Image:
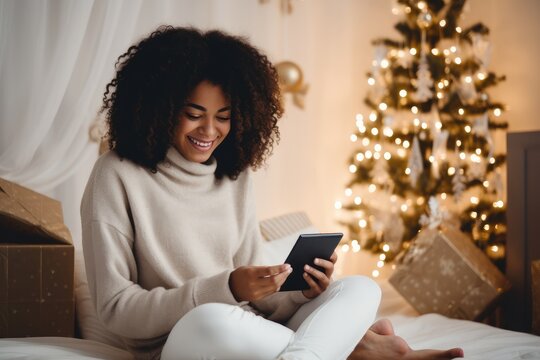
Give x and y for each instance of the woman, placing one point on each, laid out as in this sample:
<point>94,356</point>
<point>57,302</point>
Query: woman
<point>170,236</point>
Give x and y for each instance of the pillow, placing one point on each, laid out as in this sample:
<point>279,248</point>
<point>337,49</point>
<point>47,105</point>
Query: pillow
<point>281,233</point>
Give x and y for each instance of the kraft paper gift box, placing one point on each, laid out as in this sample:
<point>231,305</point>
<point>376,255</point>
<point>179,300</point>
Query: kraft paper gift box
<point>36,265</point>
<point>445,273</point>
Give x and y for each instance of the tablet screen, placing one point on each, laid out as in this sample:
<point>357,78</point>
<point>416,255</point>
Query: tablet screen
<point>305,250</point>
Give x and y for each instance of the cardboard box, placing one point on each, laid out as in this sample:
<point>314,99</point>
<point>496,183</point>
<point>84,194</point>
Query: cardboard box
<point>446,273</point>
<point>36,265</point>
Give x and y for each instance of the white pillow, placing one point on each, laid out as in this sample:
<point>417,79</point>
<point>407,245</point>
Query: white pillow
<point>275,251</point>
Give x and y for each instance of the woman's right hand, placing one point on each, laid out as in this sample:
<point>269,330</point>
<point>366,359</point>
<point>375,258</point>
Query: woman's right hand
<point>249,283</point>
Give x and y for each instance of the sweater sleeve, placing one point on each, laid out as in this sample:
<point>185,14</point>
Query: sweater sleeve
<point>279,306</point>
<point>122,305</point>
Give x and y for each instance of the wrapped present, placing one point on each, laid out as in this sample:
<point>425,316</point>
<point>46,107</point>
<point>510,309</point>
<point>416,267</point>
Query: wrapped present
<point>36,265</point>
<point>445,273</point>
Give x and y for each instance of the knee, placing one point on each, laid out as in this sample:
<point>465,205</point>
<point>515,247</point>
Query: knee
<point>362,287</point>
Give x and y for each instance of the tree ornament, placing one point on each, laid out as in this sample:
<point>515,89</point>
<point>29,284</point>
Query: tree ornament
<point>291,80</point>
<point>416,164</point>
<point>458,184</point>
<point>467,90</point>
<point>481,49</point>
<point>424,82</point>
<point>438,152</point>
<point>435,216</point>
<point>481,128</point>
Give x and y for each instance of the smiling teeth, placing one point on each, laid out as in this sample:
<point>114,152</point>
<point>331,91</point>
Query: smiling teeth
<point>200,143</point>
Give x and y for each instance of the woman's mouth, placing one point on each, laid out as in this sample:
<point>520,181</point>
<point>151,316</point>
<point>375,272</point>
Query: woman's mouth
<point>199,144</point>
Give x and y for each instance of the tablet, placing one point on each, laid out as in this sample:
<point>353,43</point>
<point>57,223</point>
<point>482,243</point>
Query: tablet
<point>305,250</point>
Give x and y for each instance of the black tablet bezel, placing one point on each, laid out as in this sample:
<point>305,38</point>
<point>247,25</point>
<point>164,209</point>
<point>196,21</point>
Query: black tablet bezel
<point>305,250</point>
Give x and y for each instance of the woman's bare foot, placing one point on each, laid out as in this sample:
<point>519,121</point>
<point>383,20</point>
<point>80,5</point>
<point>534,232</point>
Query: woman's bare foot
<point>381,343</point>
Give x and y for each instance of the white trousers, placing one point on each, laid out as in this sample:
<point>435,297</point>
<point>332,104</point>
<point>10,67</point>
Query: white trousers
<point>326,328</point>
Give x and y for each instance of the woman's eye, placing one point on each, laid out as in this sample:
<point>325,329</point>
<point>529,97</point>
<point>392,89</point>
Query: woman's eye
<point>193,116</point>
<point>223,118</point>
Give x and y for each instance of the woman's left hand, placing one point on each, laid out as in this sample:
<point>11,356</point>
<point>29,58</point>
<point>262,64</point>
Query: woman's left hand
<point>318,281</point>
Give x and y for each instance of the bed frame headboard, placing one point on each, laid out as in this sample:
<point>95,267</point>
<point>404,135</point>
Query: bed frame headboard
<point>523,220</point>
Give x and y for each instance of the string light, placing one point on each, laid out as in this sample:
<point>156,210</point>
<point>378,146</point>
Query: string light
<point>458,29</point>
<point>497,112</point>
<point>384,63</point>
<point>443,196</point>
<point>380,264</point>
<point>377,147</point>
<point>369,154</point>
<point>406,144</point>
<point>420,201</point>
<point>357,200</point>
<point>416,121</point>
<point>374,131</point>
<point>355,246</point>
<point>402,93</point>
<point>388,132</point>
<point>442,23</point>
<point>457,60</point>
<point>468,79</point>
<point>401,153</point>
<point>362,223</point>
<point>424,125</point>
<point>486,183</point>
<point>451,170</point>
<point>408,171</point>
<point>371,81</point>
<point>435,51</point>
<point>397,141</point>
<point>475,200</point>
<point>467,129</point>
<point>481,76</point>
<point>360,157</point>
<point>486,227</point>
<point>431,158</point>
<point>348,192</point>
<point>483,217</point>
<point>461,111</point>
<point>440,95</point>
<point>387,155</point>
<point>412,51</point>
<point>375,273</point>
<point>352,168</point>
<point>386,248</point>
<point>404,207</point>
<point>383,106</point>
<point>492,160</point>
<point>498,204</point>
<point>372,188</point>
<point>345,248</point>
<point>478,151</point>
<point>365,141</point>
<point>458,142</point>
<point>373,116</point>
<point>377,156</point>
<point>453,49</point>
<point>382,257</point>
<point>414,110</point>
<point>354,137</point>
<point>462,155</point>
<point>338,205</point>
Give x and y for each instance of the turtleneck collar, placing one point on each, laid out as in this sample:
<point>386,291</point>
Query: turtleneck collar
<point>181,170</point>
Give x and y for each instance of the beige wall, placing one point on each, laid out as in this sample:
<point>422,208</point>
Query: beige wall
<point>331,40</point>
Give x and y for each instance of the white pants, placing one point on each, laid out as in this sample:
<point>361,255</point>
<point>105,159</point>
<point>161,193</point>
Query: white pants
<point>326,328</point>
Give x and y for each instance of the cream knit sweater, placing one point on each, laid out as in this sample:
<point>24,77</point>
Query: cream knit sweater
<point>158,245</point>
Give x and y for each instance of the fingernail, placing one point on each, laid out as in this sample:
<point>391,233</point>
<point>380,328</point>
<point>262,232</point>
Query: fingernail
<point>289,270</point>
<point>306,267</point>
<point>317,261</point>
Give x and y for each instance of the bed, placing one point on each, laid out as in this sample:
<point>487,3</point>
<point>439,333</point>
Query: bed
<point>479,341</point>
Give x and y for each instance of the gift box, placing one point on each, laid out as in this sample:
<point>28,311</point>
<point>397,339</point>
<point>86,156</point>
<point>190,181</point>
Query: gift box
<point>36,265</point>
<point>445,273</point>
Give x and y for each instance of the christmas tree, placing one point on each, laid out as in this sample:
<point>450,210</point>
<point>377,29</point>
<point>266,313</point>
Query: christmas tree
<point>427,136</point>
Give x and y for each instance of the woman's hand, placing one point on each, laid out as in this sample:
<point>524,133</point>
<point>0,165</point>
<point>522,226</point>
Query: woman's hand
<point>249,283</point>
<point>318,281</point>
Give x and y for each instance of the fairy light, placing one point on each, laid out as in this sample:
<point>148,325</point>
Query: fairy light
<point>498,204</point>
<point>369,154</point>
<point>402,93</point>
<point>365,141</point>
<point>446,52</point>
<point>345,248</point>
<point>483,217</point>
<point>412,51</point>
<point>380,264</point>
<point>338,205</point>
<point>468,79</point>
<point>384,63</point>
<point>371,81</point>
<point>359,121</point>
<point>416,121</point>
<point>431,158</point>
<point>446,82</point>
<point>377,147</point>
<point>444,196</point>
<point>424,125</point>
<point>374,131</point>
<point>440,85</point>
<point>435,51</point>
<point>420,201</point>
<point>492,160</point>
<point>458,29</point>
<point>395,10</point>
<point>457,60</point>
<point>478,151</point>
<point>438,125</point>
<point>387,156</point>
<point>440,95</point>
<point>375,273</point>
<point>348,192</point>
<point>377,156</point>
<point>475,200</point>
<point>362,223</point>
<point>458,143</point>
<point>362,129</point>
<point>388,132</point>
<point>357,200</point>
<point>494,248</point>
<point>497,112</point>
<point>386,248</point>
<point>486,183</point>
<point>451,170</point>
<point>408,171</point>
<point>372,188</point>
<point>467,129</point>
<point>442,23</point>
<point>355,246</point>
<point>354,138</point>
<point>461,111</point>
<point>352,168</point>
<point>421,5</point>
<point>383,106</point>
<point>401,153</point>
<point>373,116</point>
<point>481,76</point>
<point>406,144</point>
<point>397,141</point>
<point>486,227</point>
<point>475,158</point>
<point>462,155</point>
<point>404,207</point>
<point>382,257</point>
<point>360,157</point>
<point>474,214</point>
<point>414,110</point>
<point>453,49</point>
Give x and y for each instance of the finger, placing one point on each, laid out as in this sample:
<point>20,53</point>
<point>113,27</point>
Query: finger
<point>276,280</point>
<point>334,257</point>
<point>326,264</point>
<point>312,283</point>
<point>321,278</point>
<point>267,271</point>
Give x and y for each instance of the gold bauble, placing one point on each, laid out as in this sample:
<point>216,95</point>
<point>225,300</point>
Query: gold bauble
<point>290,76</point>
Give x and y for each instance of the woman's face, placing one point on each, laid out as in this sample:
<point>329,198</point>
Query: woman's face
<point>204,123</point>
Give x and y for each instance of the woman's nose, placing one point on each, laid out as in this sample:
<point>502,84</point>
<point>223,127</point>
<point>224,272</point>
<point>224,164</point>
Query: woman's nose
<point>209,126</point>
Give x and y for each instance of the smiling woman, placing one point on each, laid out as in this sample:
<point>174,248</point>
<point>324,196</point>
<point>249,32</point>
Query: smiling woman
<point>204,123</point>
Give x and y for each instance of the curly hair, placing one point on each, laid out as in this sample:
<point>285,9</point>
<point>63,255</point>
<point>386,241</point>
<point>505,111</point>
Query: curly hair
<point>155,77</point>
